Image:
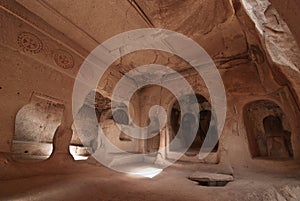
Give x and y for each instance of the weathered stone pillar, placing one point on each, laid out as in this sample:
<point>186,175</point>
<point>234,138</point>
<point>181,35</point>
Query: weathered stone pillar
<point>63,135</point>
<point>162,143</point>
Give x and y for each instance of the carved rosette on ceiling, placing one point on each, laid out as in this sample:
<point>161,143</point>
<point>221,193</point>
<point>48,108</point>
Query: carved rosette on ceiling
<point>30,42</point>
<point>63,59</point>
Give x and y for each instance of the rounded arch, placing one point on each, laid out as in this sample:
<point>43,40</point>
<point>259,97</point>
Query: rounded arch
<point>268,130</point>
<point>35,125</point>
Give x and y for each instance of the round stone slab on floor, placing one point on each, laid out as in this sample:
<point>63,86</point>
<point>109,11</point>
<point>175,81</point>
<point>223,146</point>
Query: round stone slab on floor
<point>211,179</point>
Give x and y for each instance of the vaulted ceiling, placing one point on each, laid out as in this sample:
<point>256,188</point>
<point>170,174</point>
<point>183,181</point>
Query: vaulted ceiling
<point>65,32</point>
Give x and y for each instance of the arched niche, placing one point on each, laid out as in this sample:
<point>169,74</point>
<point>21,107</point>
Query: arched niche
<point>268,130</point>
<point>188,122</point>
<point>35,125</point>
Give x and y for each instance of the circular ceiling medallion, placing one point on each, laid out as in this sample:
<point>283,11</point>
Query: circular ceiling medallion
<point>30,42</point>
<point>63,59</point>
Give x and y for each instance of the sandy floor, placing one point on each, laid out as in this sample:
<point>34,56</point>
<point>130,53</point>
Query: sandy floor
<point>94,182</point>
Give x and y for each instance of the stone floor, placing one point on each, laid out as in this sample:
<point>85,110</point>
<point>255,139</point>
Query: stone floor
<point>95,182</point>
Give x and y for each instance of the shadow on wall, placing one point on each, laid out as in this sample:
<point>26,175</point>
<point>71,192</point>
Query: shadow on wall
<point>268,130</point>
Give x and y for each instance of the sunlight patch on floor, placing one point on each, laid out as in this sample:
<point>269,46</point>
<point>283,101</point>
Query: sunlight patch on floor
<point>148,172</point>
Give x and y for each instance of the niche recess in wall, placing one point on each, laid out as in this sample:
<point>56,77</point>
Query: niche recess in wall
<point>188,123</point>
<point>35,126</point>
<point>268,130</point>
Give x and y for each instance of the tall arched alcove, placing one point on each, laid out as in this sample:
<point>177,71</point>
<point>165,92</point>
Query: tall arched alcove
<point>268,130</point>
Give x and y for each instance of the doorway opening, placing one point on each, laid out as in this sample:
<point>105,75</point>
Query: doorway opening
<point>184,125</point>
